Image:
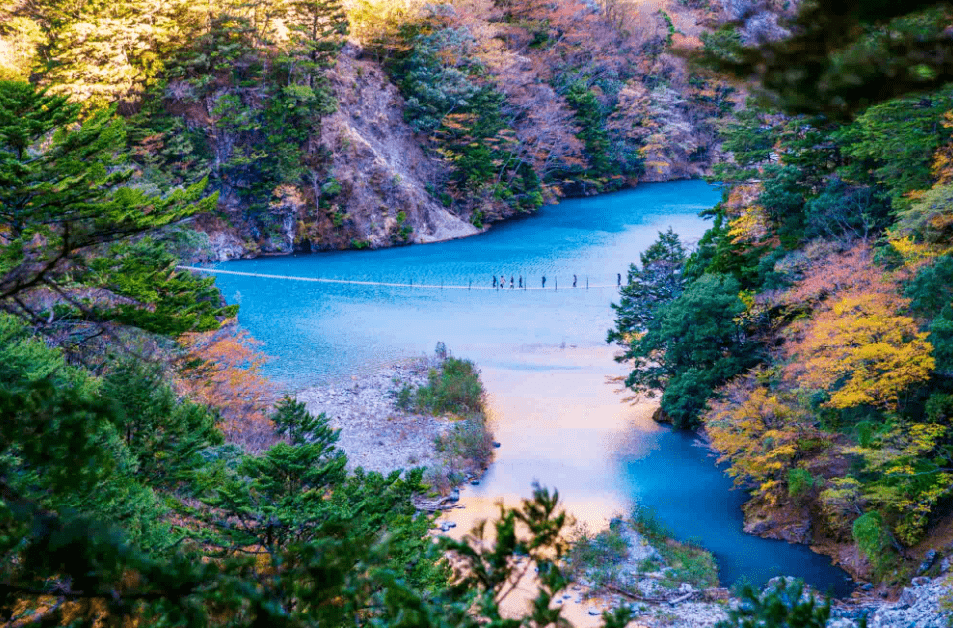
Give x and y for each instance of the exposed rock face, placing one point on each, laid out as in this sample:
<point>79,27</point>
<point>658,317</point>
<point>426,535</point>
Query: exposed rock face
<point>794,524</point>
<point>924,604</point>
<point>789,524</point>
<point>224,242</point>
<point>372,193</point>
<point>379,163</point>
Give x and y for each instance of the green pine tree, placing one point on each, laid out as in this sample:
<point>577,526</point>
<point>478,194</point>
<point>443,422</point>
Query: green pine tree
<point>658,281</point>
<point>65,192</point>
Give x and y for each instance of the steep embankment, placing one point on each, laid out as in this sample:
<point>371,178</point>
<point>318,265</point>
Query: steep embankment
<point>374,188</point>
<point>377,123</point>
<point>379,163</point>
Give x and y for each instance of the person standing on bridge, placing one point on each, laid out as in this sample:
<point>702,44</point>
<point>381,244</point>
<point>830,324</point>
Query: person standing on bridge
<point>573,281</point>
<point>494,281</point>
<point>618,279</point>
<point>521,281</point>
<point>502,282</point>
<point>544,281</point>
<point>511,282</point>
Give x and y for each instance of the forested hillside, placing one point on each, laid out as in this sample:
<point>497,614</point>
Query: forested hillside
<point>378,123</point>
<point>809,333</point>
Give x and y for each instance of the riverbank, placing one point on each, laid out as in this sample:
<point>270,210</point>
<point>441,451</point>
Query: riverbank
<point>669,584</point>
<point>636,563</point>
<point>220,240</point>
<point>382,429</point>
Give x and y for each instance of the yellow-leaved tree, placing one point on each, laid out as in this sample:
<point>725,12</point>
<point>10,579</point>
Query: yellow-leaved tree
<point>862,351</point>
<point>758,431</point>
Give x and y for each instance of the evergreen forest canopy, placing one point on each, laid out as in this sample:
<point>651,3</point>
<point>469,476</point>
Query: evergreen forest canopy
<point>147,476</point>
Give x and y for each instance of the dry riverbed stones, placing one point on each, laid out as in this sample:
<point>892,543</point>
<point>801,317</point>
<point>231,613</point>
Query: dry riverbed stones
<point>375,433</point>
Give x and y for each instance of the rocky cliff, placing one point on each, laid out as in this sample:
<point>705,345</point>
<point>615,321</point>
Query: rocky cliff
<point>375,190</point>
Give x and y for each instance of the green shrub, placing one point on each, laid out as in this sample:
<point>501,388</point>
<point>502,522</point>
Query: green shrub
<point>405,398</point>
<point>596,557</point>
<point>455,387</point>
<point>646,522</point>
<point>686,561</point>
<point>331,187</point>
<point>871,536</point>
<point>800,481</point>
<point>689,562</point>
<point>467,441</point>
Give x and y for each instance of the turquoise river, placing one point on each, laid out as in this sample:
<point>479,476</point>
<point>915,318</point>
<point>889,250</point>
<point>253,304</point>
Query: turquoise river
<point>542,354</point>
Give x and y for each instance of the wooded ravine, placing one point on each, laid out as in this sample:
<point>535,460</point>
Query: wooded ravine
<point>151,475</point>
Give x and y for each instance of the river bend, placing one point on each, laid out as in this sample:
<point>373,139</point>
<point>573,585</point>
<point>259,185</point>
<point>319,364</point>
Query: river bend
<point>542,354</point>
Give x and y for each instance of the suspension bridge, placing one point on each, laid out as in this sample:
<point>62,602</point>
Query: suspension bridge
<point>582,284</point>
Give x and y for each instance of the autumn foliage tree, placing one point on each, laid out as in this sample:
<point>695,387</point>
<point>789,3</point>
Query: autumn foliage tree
<point>760,431</point>
<point>222,369</point>
<point>862,351</point>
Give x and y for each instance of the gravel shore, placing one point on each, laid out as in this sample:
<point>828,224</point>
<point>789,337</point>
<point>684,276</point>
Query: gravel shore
<point>926,603</point>
<point>378,435</point>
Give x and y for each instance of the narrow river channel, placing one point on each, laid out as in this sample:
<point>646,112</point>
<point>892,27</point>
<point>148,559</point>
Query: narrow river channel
<point>542,355</point>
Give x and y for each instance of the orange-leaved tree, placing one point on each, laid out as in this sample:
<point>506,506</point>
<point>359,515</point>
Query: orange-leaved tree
<point>223,370</point>
<point>826,271</point>
<point>757,430</point>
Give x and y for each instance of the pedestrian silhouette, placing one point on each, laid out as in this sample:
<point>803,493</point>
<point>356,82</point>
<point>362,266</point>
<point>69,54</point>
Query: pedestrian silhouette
<point>494,281</point>
<point>544,281</point>
<point>521,281</point>
<point>511,282</point>
<point>618,280</point>
<point>573,281</point>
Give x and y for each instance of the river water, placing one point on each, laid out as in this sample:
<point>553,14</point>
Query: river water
<point>543,359</point>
